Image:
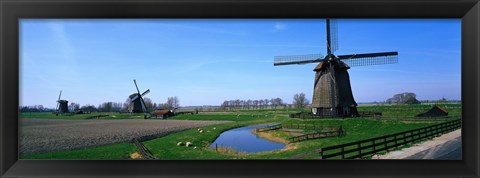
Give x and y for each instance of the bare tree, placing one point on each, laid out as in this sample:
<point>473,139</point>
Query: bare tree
<point>105,107</point>
<point>265,102</point>
<point>172,102</point>
<point>299,100</point>
<point>73,106</point>
<point>249,103</point>
<point>225,105</point>
<point>276,102</point>
<point>88,108</point>
<point>148,103</point>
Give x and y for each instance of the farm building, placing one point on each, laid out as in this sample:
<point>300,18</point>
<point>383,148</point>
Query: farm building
<point>436,111</point>
<point>163,113</point>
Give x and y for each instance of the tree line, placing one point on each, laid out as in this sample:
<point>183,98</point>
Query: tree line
<point>171,103</point>
<point>252,104</point>
<point>299,101</point>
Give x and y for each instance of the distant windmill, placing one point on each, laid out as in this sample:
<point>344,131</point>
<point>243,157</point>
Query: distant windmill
<point>62,105</point>
<point>137,100</point>
<point>332,95</point>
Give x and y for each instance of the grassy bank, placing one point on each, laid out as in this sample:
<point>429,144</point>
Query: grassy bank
<point>110,152</point>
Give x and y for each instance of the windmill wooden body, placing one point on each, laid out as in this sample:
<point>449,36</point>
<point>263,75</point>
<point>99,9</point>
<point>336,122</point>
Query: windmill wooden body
<point>332,93</point>
<point>137,100</point>
<point>62,105</point>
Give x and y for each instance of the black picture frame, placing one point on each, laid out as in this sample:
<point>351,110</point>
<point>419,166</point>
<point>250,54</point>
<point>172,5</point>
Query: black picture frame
<point>11,11</point>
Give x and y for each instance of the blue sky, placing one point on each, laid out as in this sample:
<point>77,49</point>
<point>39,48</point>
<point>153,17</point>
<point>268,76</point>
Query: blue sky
<point>205,62</point>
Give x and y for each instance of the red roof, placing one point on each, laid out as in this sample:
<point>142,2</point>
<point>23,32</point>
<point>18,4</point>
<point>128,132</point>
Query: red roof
<point>161,111</point>
<point>438,107</point>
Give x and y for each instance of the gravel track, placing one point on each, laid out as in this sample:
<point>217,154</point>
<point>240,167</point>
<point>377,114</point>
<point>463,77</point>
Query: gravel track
<point>407,153</point>
<point>48,135</point>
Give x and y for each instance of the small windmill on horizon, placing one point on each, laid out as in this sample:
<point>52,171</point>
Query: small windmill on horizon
<point>137,100</point>
<point>62,105</point>
<point>332,93</point>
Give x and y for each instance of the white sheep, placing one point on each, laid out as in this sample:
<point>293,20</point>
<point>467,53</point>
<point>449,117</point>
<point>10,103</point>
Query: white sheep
<point>179,143</point>
<point>188,144</point>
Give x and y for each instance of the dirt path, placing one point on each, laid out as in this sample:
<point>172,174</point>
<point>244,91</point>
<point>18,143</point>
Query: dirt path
<point>47,135</point>
<point>433,145</point>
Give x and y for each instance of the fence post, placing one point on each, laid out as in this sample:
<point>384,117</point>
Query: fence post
<point>359,146</point>
<point>395,137</point>
<point>342,150</point>
<point>385,143</point>
<point>321,153</point>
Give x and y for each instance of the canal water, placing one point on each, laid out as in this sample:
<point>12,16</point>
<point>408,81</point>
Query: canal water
<point>243,140</point>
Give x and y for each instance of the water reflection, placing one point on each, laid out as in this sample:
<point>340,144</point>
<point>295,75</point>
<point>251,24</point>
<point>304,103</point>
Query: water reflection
<point>242,140</point>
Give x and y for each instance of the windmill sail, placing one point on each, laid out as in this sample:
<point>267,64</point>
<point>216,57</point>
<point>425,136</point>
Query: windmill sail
<point>297,59</point>
<point>333,35</point>
<point>144,107</point>
<point>134,81</point>
<point>370,59</point>
<point>58,101</point>
<point>146,92</point>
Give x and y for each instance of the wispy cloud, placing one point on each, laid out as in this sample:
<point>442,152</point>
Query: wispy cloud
<point>67,64</point>
<point>279,26</point>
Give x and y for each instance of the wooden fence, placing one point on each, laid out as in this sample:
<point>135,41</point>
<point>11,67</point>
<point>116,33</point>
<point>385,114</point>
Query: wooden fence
<point>143,150</point>
<point>360,149</point>
<point>311,126</point>
<point>370,114</point>
<point>317,135</point>
<point>315,127</point>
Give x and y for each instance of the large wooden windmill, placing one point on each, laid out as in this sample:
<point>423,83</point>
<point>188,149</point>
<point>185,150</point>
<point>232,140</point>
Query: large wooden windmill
<point>332,93</point>
<point>62,105</point>
<point>137,100</point>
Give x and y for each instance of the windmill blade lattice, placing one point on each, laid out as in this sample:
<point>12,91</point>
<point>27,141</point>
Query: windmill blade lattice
<point>333,35</point>
<point>144,107</point>
<point>297,59</point>
<point>58,101</point>
<point>146,92</point>
<point>370,59</point>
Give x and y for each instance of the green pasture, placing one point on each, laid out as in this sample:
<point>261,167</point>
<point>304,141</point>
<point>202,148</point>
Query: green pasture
<point>116,151</point>
<point>166,147</point>
<point>410,110</point>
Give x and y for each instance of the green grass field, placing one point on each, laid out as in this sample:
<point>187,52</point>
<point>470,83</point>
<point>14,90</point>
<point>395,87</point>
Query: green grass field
<point>166,148</point>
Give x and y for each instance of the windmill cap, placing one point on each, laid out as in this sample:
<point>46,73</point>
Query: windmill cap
<point>338,64</point>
